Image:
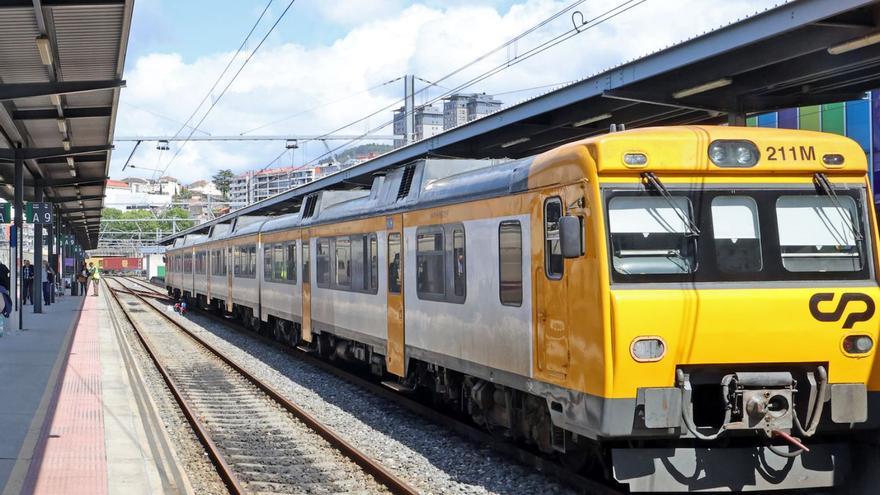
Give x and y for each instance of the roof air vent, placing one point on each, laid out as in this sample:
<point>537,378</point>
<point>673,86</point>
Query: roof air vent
<point>406,181</point>
<point>309,208</point>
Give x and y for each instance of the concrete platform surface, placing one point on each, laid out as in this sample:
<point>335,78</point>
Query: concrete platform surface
<point>70,424</point>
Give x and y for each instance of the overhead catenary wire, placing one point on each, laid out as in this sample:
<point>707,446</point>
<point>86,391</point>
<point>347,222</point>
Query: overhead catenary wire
<point>577,29</point>
<point>321,105</point>
<point>225,69</point>
<point>473,62</point>
<point>228,84</point>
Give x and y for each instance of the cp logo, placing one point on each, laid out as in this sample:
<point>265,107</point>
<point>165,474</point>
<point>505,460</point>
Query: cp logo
<point>837,314</point>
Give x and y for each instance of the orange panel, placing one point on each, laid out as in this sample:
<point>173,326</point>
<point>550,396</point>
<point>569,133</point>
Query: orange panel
<point>395,359</point>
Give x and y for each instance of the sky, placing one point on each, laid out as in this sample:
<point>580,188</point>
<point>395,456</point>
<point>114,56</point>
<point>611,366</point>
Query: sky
<point>324,65</point>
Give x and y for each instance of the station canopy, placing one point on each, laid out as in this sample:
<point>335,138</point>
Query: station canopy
<point>61,65</point>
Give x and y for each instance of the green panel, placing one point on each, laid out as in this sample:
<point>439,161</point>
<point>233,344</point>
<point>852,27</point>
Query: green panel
<point>752,121</point>
<point>809,118</point>
<point>833,118</point>
<point>160,271</point>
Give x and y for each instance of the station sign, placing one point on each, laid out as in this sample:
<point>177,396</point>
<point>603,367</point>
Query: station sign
<point>39,213</point>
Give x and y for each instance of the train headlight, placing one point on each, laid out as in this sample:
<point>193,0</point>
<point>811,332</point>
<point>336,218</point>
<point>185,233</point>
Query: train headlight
<point>733,154</point>
<point>647,349</point>
<point>635,160</point>
<point>857,344</point>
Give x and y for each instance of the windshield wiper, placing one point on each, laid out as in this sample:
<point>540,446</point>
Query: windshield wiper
<point>654,181</point>
<point>822,182</point>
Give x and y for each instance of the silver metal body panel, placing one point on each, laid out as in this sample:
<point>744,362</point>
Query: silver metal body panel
<point>219,290</point>
<point>281,300</point>
<point>481,330</point>
<point>245,292</point>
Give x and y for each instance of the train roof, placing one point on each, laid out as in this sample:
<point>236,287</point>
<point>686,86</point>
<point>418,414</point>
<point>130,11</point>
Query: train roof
<point>434,182</point>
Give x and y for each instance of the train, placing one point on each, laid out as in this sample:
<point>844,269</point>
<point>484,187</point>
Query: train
<point>679,308</point>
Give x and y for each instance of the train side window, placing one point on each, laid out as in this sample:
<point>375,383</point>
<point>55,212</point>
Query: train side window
<point>279,264</point>
<point>510,263</point>
<point>358,250</point>
<point>737,234</point>
<point>290,262</point>
<point>306,275</point>
<point>374,263</point>
<point>430,266</point>
<point>343,262</point>
<point>267,262</point>
<point>394,263</point>
<point>553,261</point>
<point>459,265</point>
<point>322,256</point>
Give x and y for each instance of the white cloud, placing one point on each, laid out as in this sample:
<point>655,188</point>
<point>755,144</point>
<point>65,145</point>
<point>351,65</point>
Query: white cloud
<point>386,42</point>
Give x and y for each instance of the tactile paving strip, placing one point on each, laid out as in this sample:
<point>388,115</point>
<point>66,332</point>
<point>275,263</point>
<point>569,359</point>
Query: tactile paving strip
<point>74,460</point>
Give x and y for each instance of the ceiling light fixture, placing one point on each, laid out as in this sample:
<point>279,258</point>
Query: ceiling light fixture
<point>62,126</point>
<point>45,50</point>
<point>702,88</point>
<point>590,120</point>
<point>516,142</point>
<point>55,99</point>
<point>66,144</point>
<point>855,44</point>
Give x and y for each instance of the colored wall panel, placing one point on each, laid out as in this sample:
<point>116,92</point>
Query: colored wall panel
<point>858,126</point>
<point>833,119</point>
<point>809,118</point>
<point>752,121</point>
<point>767,120</point>
<point>788,118</point>
<point>875,138</point>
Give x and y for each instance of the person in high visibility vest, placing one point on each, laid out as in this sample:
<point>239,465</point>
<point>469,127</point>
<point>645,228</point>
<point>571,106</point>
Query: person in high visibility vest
<point>95,276</point>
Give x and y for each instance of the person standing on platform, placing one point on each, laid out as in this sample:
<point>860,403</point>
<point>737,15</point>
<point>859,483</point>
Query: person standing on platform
<point>48,279</point>
<point>95,276</point>
<point>27,279</point>
<point>4,289</point>
<point>83,279</point>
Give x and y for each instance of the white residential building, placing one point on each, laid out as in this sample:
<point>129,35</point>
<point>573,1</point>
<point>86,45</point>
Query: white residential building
<point>204,188</point>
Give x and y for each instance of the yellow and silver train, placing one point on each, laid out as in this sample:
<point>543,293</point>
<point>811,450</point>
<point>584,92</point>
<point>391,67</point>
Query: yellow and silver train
<point>691,306</point>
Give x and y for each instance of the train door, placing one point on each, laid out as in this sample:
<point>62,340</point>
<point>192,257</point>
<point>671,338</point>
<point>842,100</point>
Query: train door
<point>306,288</point>
<point>551,289</point>
<point>395,359</point>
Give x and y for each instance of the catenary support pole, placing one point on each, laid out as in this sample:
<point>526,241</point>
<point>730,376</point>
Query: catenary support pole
<point>38,257</point>
<point>18,177</point>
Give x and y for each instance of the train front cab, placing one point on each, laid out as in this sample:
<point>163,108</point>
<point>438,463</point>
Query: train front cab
<point>710,291</point>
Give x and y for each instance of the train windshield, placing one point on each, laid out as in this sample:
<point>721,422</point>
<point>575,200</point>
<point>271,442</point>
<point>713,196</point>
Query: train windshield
<point>737,235</point>
<point>651,235</point>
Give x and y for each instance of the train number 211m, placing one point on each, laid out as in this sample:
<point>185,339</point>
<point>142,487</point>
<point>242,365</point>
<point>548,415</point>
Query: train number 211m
<point>801,153</point>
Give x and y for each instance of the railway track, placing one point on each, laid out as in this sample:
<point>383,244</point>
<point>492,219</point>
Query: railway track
<point>259,441</point>
<point>540,463</point>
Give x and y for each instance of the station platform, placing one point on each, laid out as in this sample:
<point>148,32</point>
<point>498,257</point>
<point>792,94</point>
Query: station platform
<point>70,420</point>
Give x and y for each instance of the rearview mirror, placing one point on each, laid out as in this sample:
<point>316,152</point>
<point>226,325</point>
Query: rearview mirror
<point>571,236</point>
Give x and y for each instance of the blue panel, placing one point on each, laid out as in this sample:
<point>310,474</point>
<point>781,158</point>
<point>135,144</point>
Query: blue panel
<point>767,120</point>
<point>788,118</point>
<point>858,125</point>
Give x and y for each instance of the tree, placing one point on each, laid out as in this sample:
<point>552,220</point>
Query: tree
<point>148,221</point>
<point>222,180</point>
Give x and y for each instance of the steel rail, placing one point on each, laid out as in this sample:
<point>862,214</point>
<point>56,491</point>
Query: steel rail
<point>223,468</point>
<point>517,454</point>
<point>395,484</point>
